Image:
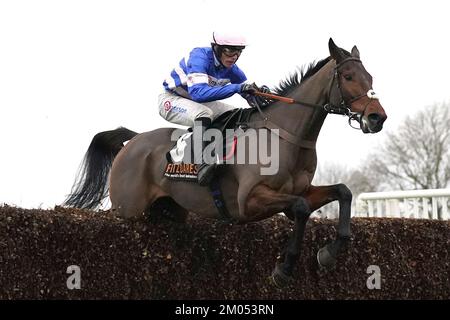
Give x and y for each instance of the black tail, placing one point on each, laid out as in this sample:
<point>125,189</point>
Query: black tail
<point>90,186</point>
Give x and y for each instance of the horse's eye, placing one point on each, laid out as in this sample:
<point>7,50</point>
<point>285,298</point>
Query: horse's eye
<point>348,77</point>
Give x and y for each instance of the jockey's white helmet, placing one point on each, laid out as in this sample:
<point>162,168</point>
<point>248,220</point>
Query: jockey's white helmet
<point>228,39</point>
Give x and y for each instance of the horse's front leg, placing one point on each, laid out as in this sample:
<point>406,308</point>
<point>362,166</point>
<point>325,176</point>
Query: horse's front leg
<point>301,211</point>
<point>263,200</point>
<point>320,196</point>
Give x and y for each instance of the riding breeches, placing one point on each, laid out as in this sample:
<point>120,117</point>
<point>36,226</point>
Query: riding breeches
<point>183,111</point>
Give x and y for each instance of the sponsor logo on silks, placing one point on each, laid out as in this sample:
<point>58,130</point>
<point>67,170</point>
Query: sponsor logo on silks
<point>181,171</point>
<point>178,109</point>
<point>217,82</point>
<point>170,108</point>
<point>167,105</point>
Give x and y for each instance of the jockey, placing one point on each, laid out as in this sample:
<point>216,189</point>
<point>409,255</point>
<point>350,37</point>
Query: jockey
<point>208,74</point>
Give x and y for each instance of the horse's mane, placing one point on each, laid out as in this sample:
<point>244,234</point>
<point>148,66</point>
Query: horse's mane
<point>299,76</point>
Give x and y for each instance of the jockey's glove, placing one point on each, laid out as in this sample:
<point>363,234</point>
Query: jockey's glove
<point>263,101</point>
<point>250,88</point>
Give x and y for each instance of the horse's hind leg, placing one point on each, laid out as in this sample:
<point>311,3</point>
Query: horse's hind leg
<point>320,196</point>
<point>129,201</point>
<point>130,191</point>
<point>166,207</point>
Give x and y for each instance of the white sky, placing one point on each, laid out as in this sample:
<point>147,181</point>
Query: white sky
<point>70,69</point>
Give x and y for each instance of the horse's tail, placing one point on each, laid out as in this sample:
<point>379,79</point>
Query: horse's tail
<point>90,186</point>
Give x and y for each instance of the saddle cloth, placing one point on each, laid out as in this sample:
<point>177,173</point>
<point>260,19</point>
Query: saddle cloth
<point>180,165</point>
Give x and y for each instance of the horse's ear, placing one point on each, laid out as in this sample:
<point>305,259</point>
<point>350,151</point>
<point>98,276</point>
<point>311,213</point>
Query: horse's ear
<point>355,52</point>
<point>335,52</point>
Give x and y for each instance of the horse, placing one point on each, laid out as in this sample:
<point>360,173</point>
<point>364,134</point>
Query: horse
<point>337,84</point>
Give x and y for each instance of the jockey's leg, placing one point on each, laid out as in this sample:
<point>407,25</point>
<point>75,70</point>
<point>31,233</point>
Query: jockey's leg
<point>182,111</point>
<point>205,169</point>
<point>218,108</point>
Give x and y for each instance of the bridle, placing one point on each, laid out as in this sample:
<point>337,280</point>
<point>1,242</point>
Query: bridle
<point>343,107</point>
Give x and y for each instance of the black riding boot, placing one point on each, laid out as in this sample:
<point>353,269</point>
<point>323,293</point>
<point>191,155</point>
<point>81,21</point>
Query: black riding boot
<point>205,171</point>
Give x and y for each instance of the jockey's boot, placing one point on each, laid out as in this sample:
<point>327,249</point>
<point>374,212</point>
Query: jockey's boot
<point>205,171</point>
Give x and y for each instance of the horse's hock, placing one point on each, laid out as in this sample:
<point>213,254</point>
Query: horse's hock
<point>44,252</point>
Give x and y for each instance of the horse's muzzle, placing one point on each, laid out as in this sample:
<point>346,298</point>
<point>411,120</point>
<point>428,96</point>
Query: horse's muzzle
<point>373,123</point>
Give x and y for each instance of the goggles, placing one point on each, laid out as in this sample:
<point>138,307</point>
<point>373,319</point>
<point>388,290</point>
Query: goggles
<point>232,51</point>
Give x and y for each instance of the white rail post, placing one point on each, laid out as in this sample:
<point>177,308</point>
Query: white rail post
<point>416,209</point>
<point>370,205</point>
<point>434,208</point>
<point>425,214</point>
<point>444,208</point>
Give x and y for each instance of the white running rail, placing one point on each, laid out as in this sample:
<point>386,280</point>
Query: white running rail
<point>418,204</point>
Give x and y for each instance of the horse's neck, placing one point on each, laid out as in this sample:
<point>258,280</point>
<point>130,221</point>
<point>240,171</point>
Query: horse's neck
<point>302,121</point>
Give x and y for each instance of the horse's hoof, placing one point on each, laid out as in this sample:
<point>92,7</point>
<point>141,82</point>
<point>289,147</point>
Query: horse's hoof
<point>324,258</point>
<point>280,279</point>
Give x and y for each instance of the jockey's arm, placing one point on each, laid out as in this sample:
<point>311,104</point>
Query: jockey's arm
<point>198,82</point>
<point>203,92</point>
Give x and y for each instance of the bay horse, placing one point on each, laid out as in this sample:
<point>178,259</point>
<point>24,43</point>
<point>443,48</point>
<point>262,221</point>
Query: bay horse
<point>337,84</point>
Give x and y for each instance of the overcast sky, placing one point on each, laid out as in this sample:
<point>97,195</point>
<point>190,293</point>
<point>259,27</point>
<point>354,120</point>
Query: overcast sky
<point>70,69</point>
